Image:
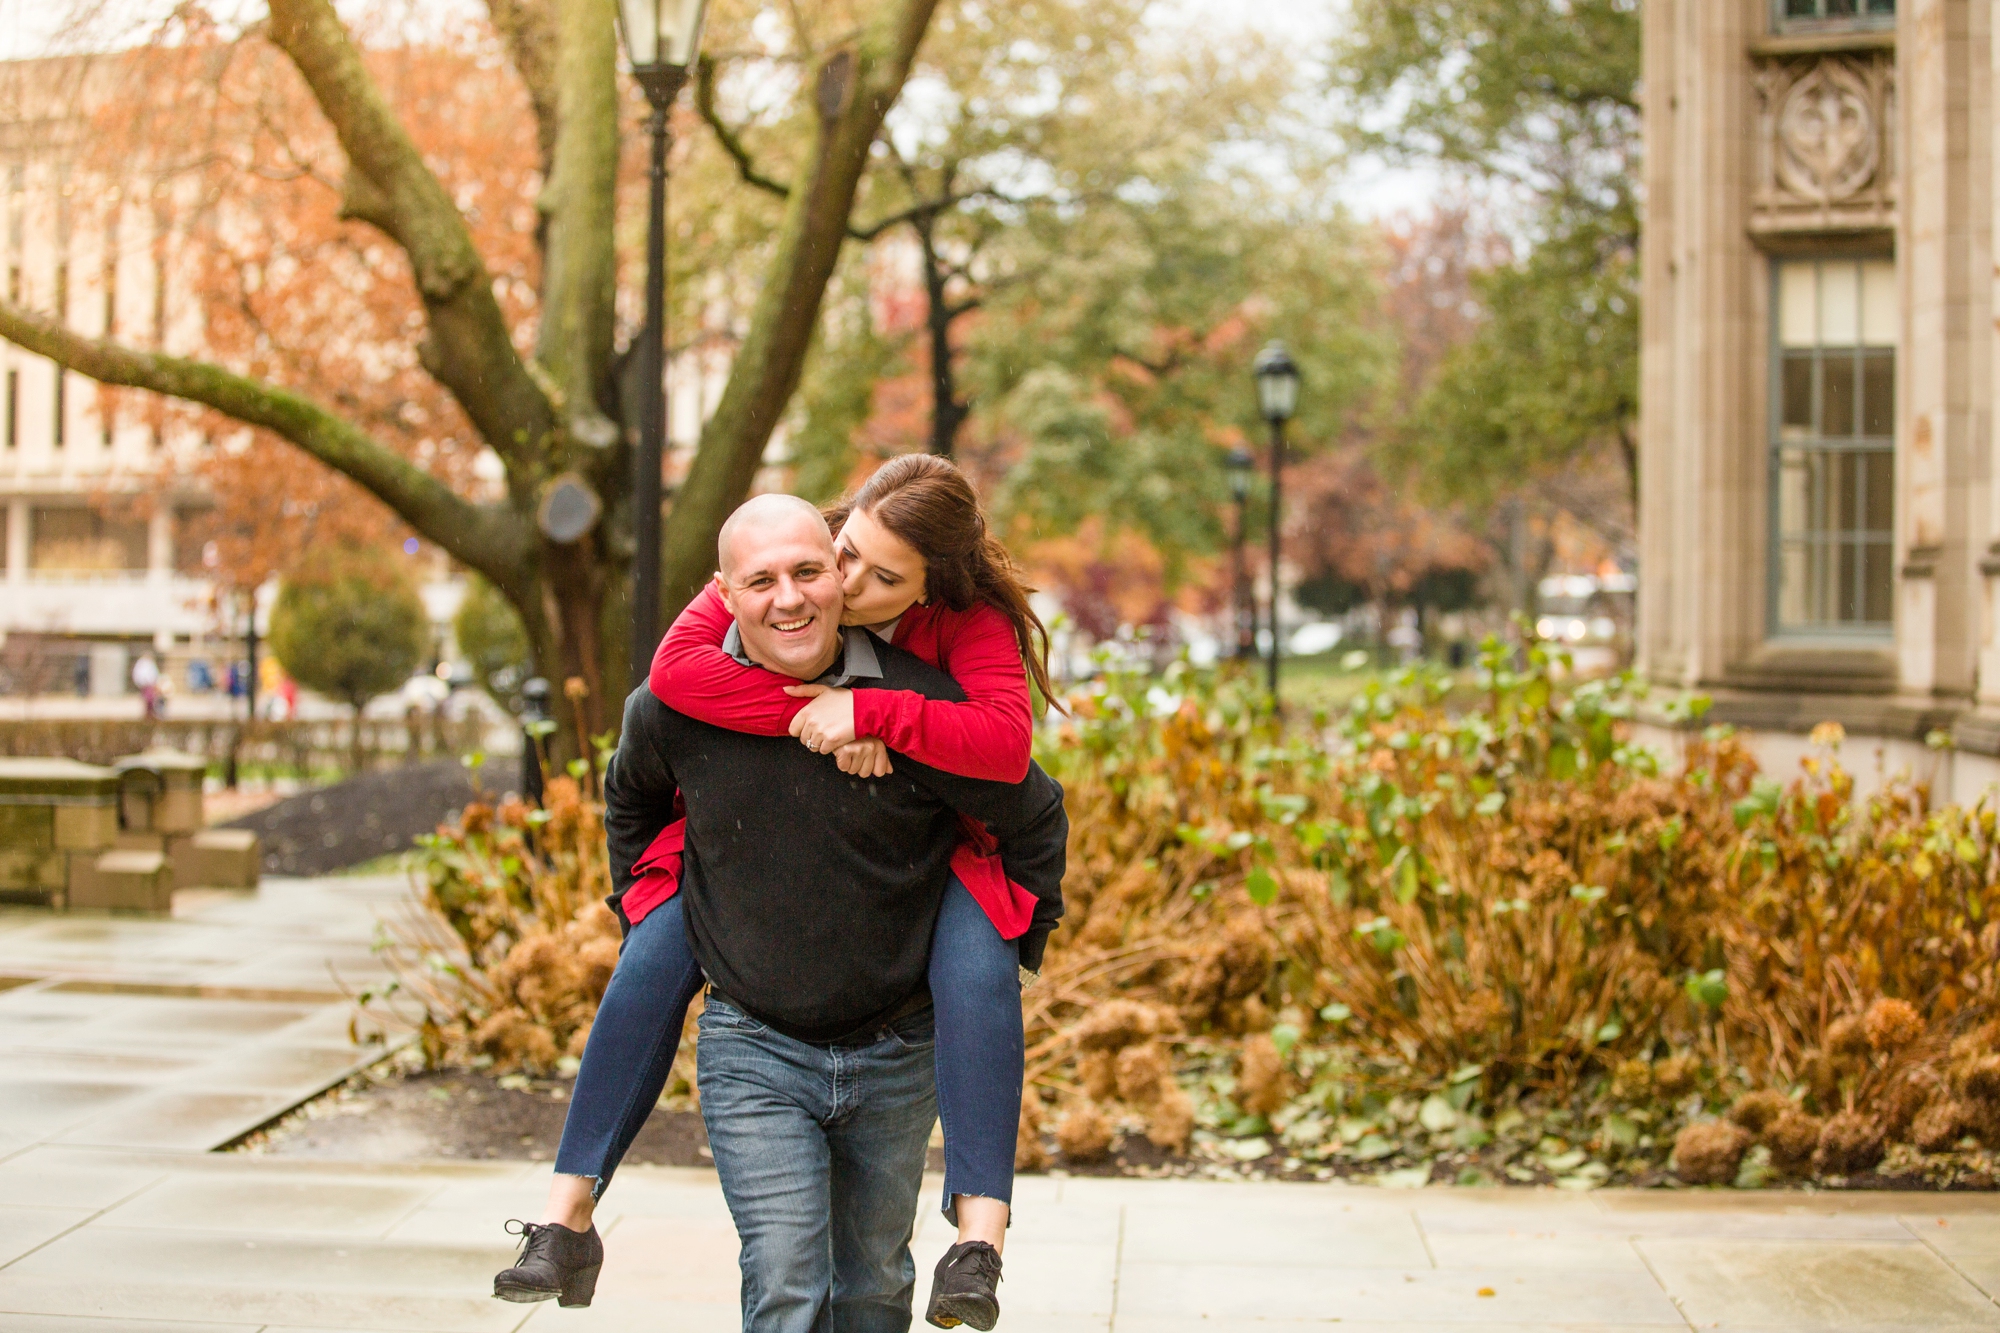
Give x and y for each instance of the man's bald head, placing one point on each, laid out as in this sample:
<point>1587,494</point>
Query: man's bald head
<point>778,579</point>
<point>769,515</point>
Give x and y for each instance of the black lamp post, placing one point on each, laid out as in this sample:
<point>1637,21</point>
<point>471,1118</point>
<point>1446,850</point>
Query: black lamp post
<point>661,38</point>
<point>1277,399</point>
<point>1241,463</point>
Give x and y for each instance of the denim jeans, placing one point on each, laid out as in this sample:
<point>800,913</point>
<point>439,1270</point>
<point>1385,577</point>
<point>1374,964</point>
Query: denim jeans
<point>976,989</point>
<point>821,1154</point>
<point>975,986</point>
<point>632,1045</point>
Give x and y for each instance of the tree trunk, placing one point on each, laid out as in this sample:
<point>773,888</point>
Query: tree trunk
<point>948,411</point>
<point>1628,450</point>
<point>853,89</point>
<point>357,753</point>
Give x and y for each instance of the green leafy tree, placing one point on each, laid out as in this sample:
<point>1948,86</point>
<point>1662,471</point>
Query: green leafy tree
<point>1119,377</point>
<point>490,636</point>
<point>1042,129</point>
<point>348,624</point>
<point>1537,100</point>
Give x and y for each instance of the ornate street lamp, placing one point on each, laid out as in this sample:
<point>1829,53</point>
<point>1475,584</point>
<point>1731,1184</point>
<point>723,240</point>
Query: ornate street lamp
<point>1242,465</point>
<point>661,39</point>
<point>1277,399</point>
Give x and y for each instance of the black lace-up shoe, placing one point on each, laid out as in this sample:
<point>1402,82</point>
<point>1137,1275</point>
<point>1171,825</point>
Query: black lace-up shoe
<point>555,1261</point>
<point>963,1291</point>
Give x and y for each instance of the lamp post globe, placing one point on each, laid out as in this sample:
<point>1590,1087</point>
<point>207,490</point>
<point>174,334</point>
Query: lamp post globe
<point>662,38</point>
<point>1277,383</point>
<point>1241,464</point>
<point>660,33</point>
<point>1277,399</point>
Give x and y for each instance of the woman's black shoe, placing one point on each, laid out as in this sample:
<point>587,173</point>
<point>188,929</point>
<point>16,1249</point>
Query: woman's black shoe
<point>964,1289</point>
<point>555,1261</point>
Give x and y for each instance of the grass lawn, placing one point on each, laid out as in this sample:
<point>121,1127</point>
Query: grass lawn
<point>1324,681</point>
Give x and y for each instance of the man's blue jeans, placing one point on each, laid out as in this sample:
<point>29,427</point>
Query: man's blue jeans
<point>821,1153</point>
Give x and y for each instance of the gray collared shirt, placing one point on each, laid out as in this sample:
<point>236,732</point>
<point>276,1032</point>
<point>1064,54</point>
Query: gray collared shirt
<point>858,659</point>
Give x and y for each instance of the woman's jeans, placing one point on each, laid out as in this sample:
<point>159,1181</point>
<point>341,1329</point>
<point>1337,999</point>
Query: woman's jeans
<point>820,1149</point>
<point>632,1045</point>
<point>975,991</point>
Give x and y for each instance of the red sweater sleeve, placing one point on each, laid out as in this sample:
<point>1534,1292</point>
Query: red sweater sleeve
<point>691,674</point>
<point>989,735</point>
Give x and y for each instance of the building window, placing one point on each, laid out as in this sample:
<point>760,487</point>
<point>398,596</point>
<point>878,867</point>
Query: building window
<point>75,540</point>
<point>1822,15</point>
<point>61,403</point>
<point>1833,458</point>
<point>13,409</point>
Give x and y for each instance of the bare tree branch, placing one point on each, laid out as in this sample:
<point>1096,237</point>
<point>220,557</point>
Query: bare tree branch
<point>468,349</point>
<point>529,31</point>
<point>852,89</point>
<point>574,344</point>
<point>704,101</point>
<point>486,537</point>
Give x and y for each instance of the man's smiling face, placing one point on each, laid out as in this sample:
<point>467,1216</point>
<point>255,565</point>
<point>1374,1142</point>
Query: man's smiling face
<point>778,579</point>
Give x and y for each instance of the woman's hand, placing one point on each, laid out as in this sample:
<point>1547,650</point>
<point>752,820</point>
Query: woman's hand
<point>827,723</point>
<point>865,758</point>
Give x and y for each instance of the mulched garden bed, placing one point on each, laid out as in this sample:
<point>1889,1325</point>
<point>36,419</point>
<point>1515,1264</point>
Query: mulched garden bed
<point>396,1116</point>
<point>376,814</point>
<point>393,1114</point>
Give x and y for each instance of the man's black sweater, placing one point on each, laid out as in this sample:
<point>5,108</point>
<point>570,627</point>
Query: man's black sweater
<point>811,894</point>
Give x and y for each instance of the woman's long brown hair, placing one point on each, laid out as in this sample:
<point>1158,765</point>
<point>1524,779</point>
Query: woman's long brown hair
<point>925,500</point>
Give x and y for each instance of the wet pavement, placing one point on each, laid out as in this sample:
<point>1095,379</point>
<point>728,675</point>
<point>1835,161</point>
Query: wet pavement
<point>130,1049</point>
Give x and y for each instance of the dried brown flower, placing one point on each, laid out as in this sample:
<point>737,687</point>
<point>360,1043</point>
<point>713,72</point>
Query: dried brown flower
<point>1906,1097</point>
<point>1980,1080</point>
<point>1756,1110</point>
<point>1847,1039</point>
<point>1171,1120</point>
<point>1097,1071</point>
<point>1676,1075</point>
<point>1850,1143</point>
<point>1710,1153</point>
<point>1939,1126</point>
<point>1143,1072</point>
<point>1262,1084</point>
<point>1892,1025</point>
<point>1235,966</point>
<point>1115,1025</point>
<point>1793,1138</point>
<point>1084,1134</point>
<point>1029,1154</point>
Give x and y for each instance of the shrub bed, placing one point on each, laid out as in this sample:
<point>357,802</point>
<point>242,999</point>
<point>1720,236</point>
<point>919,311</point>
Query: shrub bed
<point>1502,943</point>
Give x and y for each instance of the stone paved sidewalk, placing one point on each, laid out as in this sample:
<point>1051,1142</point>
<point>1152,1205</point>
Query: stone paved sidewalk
<point>129,1048</point>
<point>183,1033</point>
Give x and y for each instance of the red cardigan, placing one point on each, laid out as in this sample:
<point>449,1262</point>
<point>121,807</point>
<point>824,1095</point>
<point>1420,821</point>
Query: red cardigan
<point>987,736</point>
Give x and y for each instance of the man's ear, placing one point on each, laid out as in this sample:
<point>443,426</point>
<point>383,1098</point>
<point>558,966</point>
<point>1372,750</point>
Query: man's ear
<point>722,591</point>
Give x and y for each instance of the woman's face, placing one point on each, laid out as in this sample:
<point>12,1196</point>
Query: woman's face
<point>882,575</point>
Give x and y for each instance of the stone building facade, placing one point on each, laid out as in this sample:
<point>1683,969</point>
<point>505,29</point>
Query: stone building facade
<point>1819,506</point>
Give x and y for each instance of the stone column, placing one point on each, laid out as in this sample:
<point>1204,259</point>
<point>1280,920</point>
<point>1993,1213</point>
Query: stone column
<point>160,544</point>
<point>1701,437</point>
<point>1945,190</point>
<point>1986,510</point>
<point>19,512</point>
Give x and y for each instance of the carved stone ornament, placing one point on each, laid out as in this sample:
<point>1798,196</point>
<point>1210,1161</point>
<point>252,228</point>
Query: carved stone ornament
<point>1828,137</point>
<point>1826,130</point>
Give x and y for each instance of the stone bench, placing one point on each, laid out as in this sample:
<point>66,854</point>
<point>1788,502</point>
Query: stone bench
<point>118,838</point>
